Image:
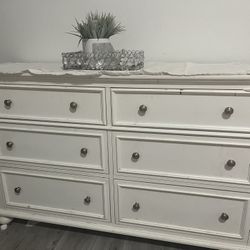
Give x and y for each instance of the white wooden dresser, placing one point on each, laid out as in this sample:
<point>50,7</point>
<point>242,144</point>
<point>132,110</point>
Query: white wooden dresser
<point>162,157</point>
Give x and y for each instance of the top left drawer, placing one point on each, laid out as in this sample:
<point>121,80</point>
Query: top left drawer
<point>81,105</point>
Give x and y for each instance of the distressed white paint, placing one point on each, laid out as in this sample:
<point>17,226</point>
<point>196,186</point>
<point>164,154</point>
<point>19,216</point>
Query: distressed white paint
<point>175,204</point>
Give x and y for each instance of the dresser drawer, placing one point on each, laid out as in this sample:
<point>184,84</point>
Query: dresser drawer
<point>84,197</point>
<point>209,158</point>
<point>86,150</point>
<point>217,110</point>
<point>181,208</point>
<point>84,105</point>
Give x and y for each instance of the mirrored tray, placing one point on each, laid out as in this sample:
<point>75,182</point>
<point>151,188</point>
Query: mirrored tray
<point>117,60</point>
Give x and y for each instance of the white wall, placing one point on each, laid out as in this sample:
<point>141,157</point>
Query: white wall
<point>178,30</point>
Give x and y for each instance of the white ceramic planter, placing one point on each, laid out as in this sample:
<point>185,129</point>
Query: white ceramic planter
<point>97,45</point>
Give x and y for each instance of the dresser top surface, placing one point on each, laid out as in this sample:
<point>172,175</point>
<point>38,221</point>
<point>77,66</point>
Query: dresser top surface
<point>154,73</point>
<point>151,70</point>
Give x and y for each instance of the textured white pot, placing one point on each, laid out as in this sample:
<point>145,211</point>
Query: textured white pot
<point>97,45</point>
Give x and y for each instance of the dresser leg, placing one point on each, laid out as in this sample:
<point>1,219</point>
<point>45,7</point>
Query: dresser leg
<point>4,221</point>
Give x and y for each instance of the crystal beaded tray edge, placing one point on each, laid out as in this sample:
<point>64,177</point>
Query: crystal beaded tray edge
<point>117,60</point>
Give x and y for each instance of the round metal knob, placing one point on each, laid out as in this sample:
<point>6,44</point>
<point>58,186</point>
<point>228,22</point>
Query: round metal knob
<point>135,156</point>
<point>17,190</point>
<point>84,151</point>
<point>7,103</point>
<point>87,200</point>
<point>73,105</point>
<point>143,109</point>
<point>231,163</point>
<point>224,217</point>
<point>229,111</point>
<point>9,144</point>
<point>136,206</point>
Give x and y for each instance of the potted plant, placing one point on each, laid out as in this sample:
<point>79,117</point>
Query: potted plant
<point>94,32</point>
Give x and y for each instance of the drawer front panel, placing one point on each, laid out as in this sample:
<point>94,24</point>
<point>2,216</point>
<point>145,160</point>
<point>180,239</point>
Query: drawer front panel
<point>165,109</point>
<point>84,197</point>
<point>218,159</point>
<point>181,209</point>
<point>67,105</point>
<point>83,150</point>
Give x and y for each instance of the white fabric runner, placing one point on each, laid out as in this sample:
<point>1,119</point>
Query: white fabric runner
<point>151,68</point>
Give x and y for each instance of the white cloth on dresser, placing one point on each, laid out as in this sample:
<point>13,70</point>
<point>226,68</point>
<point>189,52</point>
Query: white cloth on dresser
<point>192,69</point>
<point>151,68</point>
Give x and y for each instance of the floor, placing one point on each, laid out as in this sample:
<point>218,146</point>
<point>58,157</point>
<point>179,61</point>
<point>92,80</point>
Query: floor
<point>24,235</point>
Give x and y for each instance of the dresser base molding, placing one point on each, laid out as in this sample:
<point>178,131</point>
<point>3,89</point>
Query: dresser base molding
<point>186,239</point>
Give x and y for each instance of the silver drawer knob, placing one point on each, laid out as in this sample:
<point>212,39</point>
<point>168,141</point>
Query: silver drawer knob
<point>73,105</point>
<point>84,151</point>
<point>231,163</point>
<point>135,156</point>
<point>143,109</point>
<point>224,217</point>
<point>136,206</point>
<point>17,190</point>
<point>87,200</point>
<point>7,103</point>
<point>9,144</point>
<point>228,111</point>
